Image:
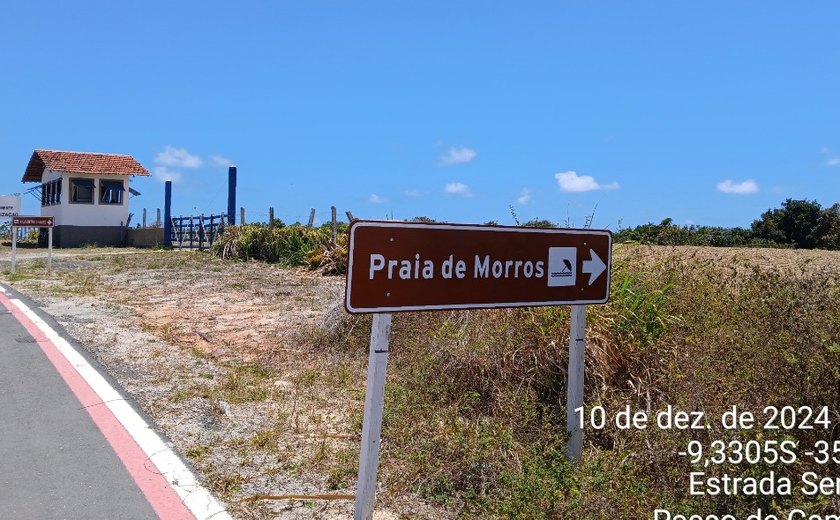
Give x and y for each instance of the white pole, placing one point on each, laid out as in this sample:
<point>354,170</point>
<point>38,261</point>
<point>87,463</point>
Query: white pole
<point>49,254</point>
<point>14,247</point>
<point>380,332</point>
<point>574,397</point>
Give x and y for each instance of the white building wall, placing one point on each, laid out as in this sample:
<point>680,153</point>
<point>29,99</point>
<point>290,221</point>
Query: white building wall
<point>75,214</point>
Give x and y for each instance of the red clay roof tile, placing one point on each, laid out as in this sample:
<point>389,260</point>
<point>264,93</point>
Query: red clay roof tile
<point>81,162</point>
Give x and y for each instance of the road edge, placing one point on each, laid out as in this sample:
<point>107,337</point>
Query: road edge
<point>94,386</point>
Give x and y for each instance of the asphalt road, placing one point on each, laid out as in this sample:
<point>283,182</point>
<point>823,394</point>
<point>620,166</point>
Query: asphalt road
<point>54,462</point>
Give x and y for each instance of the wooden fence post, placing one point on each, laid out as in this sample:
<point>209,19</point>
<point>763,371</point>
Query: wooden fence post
<point>349,217</point>
<point>201,232</point>
<point>144,218</point>
<point>270,218</point>
<point>241,216</point>
<point>157,221</point>
<point>311,217</point>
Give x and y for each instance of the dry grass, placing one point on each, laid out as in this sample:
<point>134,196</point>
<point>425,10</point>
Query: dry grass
<point>474,405</point>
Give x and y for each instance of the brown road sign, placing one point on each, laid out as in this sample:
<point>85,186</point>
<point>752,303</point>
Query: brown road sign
<point>397,266</point>
<point>33,221</point>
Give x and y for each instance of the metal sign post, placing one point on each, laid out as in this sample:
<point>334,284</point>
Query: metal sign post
<point>574,390</point>
<point>49,249</point>
<point>380,334</point>
<point>14,248</point>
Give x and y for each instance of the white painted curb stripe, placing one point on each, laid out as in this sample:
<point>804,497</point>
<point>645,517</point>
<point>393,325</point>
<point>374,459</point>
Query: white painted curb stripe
<point>197,498</point>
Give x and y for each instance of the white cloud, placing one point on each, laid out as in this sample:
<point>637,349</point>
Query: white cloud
<point>572,182</point>
<point>413,193</point>
<point>738,188</point>
<point>458,188</point>
<point>833,160</point>
<point>376,199</point>
<point>220,160</point>
<point>524,196</point>
<point>163,174</point>
<point>457,155</point>
<point>179,157</point>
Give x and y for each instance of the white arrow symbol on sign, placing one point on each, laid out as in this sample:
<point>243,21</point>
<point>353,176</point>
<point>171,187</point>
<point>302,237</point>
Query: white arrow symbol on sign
<point>594,267</point>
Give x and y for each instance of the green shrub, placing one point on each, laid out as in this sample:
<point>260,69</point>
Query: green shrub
<point>289,246</point>
<point>798,223</point>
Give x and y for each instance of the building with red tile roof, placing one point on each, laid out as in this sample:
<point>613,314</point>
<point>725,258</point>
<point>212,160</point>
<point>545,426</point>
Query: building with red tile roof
<point>86,193</point>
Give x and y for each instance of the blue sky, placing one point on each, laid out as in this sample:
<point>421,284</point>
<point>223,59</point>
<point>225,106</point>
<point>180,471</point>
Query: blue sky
<point>705,112</point>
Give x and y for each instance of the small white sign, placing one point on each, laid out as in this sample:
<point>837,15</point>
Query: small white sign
<point>9,206</point>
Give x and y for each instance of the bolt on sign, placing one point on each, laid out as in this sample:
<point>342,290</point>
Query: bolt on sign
<point>396,266</point>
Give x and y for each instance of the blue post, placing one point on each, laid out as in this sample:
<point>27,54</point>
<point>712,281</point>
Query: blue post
<point>231,212</point>
<point>167,215</point>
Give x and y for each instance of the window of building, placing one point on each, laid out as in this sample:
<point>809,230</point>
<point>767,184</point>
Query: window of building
<point>81,191</point>
<point>111,192</point>
<point>51,193</point>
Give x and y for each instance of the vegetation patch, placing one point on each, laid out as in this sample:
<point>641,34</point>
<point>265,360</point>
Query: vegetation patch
<point>475,401</point>
<point>289,246</point>
<point>802,224</point>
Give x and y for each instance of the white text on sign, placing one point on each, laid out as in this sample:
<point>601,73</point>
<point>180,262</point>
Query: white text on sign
<point>483,266</point>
